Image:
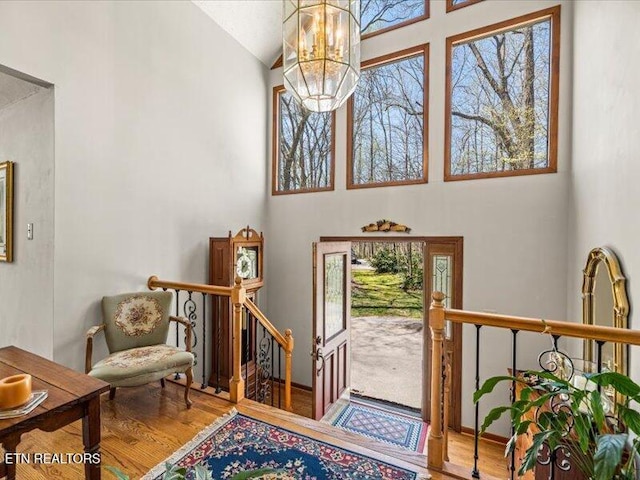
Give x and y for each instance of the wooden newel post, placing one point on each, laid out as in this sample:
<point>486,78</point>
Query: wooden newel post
<point>236,384</point>
<point>288,352</point>
<point>435,439</point>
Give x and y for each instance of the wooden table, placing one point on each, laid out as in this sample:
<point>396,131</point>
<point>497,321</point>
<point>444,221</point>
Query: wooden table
<point>72,396</point>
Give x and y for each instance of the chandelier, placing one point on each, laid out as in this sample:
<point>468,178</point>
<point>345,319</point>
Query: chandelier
<point>321,51</point>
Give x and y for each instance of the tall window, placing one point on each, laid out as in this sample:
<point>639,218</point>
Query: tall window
<point>379,16</point>
<point>456,4</point>
<point>387,121</point>
<point>502,98</point>
<point>303,150</point>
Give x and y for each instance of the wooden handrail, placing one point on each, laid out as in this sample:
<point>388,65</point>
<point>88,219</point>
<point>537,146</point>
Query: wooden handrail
<point>438,315</point>
<point>154,283</point>
<point>552,327</point>
<point>273,331</point>
<point>285,341</point>
<point>238,298</point>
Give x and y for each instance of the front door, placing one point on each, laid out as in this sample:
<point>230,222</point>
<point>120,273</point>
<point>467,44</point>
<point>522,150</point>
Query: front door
<point>331,322</point>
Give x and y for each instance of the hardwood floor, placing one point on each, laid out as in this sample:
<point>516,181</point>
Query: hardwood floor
<point>144,425</point>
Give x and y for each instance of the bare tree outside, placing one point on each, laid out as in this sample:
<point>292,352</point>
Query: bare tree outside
<point>500,92</point>
<point>304,146</point>
<point>380,14</point>
<point>388,122</point>
<point>305,143</point>
<point>459,2</point>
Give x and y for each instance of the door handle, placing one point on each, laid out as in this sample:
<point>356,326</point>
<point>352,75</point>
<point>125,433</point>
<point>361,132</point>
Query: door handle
<point>319,358</point>
<point>317,355</point>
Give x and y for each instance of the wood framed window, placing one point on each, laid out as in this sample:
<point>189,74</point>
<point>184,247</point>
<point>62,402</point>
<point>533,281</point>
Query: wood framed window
<point>303,148</point>
<point>379,16</point>
<point>453,5</point>
<point>502,85</point>
<point>387,121</point>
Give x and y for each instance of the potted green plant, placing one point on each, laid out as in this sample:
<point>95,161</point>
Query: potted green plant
<point>174,472</point>
<point>599,432</point>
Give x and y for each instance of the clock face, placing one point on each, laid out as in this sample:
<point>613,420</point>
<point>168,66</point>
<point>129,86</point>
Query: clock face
<point>247,262</point>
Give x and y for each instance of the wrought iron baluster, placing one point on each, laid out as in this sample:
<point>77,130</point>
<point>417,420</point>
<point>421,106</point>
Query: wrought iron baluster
<point>248,355</point>
<point>218,307</point>
<point>279,375</point>
<point>555,341</point>
<point>245,314</point>
<point>272,365</point>
<point>600,344</point>
<point>190,312</point>
<point>559,364</point>
<point>264,364</point>
<point>256,365</point>
<point>551,457</point>
<point>177,375</point>
<point>443,380</point>
<point>203,385</point>
<point>475,473</point>
<point>514,372</point>
<point>260,365</point>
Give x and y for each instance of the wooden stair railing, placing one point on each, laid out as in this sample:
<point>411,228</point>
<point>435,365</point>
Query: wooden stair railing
<point>286,342</point>
<point>438,316</point>
<point>239,301</point>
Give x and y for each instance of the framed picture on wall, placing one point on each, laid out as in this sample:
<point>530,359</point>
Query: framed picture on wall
<point>6,212</point>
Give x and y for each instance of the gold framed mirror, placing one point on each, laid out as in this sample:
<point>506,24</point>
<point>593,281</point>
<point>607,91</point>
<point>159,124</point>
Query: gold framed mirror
<point>605,303</point>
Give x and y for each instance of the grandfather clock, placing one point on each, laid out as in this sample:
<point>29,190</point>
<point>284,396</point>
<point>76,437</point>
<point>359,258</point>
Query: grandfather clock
<point>240,255</point>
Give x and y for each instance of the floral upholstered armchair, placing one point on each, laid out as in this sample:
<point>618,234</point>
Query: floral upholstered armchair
<point>136,326</point>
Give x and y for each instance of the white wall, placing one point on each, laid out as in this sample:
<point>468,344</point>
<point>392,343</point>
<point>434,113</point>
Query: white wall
<point>159,144</point>
<point>514,229</point>
<point>26,284</point>
<point>606,145</point>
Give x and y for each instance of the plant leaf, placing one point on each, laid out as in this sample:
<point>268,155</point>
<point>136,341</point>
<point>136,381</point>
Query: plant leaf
<point>582,427</point>
<point>174,472</point>
<point>595,404</point>
<point>202,473</point>
<point>120,475</point>
<point>531,456</point>
<point>630,418</point>
<point>545,420</point>
<point>621,383</point>
<point>525,393</point>
<point>253,473</point>
<point>523,427</point>
<point>511,445</point>
<point>489,385</point>
<point>492,416</point>
<point>608,455</point>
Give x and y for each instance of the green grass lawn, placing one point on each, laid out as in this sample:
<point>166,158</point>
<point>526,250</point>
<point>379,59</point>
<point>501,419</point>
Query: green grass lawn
<point>380,295</point>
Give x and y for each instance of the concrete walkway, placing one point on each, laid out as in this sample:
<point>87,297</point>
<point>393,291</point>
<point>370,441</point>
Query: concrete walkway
<point>386,359</point>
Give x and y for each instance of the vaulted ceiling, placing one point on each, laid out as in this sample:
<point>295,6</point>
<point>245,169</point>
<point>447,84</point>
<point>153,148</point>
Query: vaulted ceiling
<point>255,24</point>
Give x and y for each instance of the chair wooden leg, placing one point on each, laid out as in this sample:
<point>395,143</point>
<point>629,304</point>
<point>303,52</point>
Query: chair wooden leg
<point>162,382</point>
<point>112,393</point>
<point>187,387</point>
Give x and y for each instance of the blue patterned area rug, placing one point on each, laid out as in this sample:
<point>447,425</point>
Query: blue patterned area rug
<point>404,431</point>
<point>237,443</point>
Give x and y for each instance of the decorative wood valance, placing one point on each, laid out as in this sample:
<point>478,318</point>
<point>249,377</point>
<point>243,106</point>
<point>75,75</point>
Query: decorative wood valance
<point>386,226</point>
